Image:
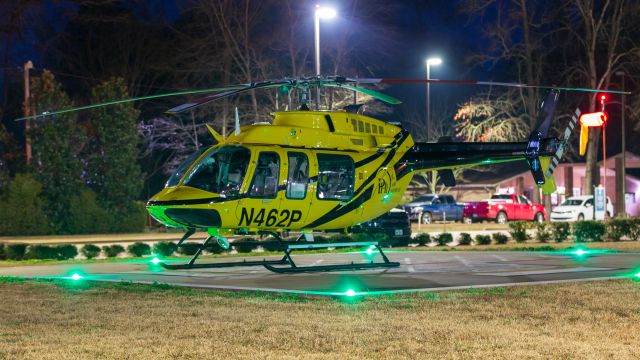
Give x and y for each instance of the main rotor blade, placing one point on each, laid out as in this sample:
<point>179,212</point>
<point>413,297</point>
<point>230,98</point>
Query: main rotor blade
<point>475,82</point>
<point>115,102</point>
<point>377,95</point>
<point>231,91</point>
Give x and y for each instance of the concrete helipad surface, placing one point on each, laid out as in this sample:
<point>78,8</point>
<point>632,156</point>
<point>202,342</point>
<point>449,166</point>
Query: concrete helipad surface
<point>419,271</point>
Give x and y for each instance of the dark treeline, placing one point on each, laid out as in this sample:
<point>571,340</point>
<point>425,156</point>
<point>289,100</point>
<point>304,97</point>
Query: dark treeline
<point>92,170</point>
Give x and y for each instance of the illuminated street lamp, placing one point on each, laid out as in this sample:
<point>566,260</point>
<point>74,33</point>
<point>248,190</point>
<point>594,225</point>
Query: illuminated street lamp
<point>430,61</point>
<point>324,13</point>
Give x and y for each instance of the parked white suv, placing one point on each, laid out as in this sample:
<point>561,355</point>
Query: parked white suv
<point>577,208</point>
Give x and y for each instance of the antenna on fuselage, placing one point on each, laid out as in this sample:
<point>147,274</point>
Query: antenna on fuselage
<point>237,122</point>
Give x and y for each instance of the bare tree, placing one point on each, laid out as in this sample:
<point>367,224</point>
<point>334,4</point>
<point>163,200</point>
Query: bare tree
<point>597,29</point>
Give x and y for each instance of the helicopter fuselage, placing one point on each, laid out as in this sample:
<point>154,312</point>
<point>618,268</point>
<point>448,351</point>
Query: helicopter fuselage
<point>308,170</point>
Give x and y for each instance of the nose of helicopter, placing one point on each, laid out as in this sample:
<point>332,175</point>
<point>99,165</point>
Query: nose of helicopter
<point>184,207</point>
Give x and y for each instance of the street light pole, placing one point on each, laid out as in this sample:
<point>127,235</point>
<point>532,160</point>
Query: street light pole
<point>430,61</point>
<point>624,148</point>
<point>325,13</point>
<point>27,111</point>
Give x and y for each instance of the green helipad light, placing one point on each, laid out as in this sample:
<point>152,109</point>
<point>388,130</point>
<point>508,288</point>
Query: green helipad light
<point>76,276</point>
<point>370,250</point>
<point>155,260</point>
<point>579,252</point>
<point>350,292</point>
<point>637,275</point>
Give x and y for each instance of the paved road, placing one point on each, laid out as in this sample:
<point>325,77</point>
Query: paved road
<point>419,271</point>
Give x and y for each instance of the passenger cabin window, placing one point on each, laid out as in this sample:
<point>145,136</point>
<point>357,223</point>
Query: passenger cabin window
<point>354,123</point>
<point>220,171</point>
<point>336,176</point>
<point>368,128</point>
<point>381,129</point>
<point>298,175</point>
<point>266,176</point>
<point>360,126</point>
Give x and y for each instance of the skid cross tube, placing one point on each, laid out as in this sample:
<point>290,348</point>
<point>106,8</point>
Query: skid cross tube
<point>192,265</point>
<point>293,268</point>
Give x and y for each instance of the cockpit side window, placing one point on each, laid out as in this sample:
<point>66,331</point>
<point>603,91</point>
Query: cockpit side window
<point>298,175</point>
<point>336,177</point>
<point>266,176</point>
<point>220,171</point>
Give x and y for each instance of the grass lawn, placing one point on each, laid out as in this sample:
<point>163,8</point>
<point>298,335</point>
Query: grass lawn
<point>63,320</point>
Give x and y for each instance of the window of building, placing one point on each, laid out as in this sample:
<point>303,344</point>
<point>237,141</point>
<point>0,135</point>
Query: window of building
<point>266,176</point>
<point>298,175</point>
<point>336,177</point>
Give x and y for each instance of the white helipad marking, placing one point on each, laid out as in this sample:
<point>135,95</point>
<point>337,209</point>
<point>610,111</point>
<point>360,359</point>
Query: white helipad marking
<point>542,272</point>
<point>316,262</point>
<point>408,262</point>
<point>501,258</point>
<point>465,262</point>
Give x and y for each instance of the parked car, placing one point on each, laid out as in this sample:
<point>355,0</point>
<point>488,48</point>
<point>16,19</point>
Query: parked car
<point>395,224</point>
<point>577,208</point>
<point>504,207</point>
<point>434,207</point>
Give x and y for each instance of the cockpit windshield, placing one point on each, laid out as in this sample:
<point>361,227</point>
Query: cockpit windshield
<point>184,166</point>
<point>220,171</point>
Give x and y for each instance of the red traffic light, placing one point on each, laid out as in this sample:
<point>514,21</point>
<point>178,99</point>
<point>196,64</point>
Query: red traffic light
<point>603,97</point>
<point>595,119</point>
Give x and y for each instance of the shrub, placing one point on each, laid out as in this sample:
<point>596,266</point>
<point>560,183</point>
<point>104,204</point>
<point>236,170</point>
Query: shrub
<point>320,239</point>
<point>561,231</point>
<point>214,248</point>
<point>464,239</point>
<point>188,248</point>
<point>15,251</point>
<point>588,231</point>
<point>245,245</point>
<point>3,255</point>
<point>139,249</point>
<point>543,232</point>
<point>483,239</point>
<point>66,251</point>
<point>271,244</point>
<point>164,248</point>
<point>443,239</point>
<point>41,252</point>
<point>500,238</point>
<point>360,237</point>
<point>634,229</point>
<point>617,228</point>
<point>519,230</point>
<point>22,209</point>
<point>90,251</point>
<point>423,239</point>
<point>87,217</point>
<point>112,251</point>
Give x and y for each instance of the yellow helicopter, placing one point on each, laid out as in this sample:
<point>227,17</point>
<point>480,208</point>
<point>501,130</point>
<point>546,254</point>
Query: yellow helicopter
<point>321,170</point>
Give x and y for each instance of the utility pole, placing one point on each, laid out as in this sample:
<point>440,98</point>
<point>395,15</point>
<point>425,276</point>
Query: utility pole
<point>624,150</point>
<point>27,110</point>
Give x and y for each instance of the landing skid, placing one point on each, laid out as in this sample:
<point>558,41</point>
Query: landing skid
<point>286,259</point>
<point>293,268</point>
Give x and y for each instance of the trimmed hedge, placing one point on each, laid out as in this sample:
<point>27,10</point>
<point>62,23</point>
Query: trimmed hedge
<point>586,231</point>
<point>519,230</point>
<point>245,245</point>
<point>112,251</point>
<point>443,239</point>
<point>543,232</point>
<point>188,248</point>
<point>139,249</point>
<point>90,251</point>
<point>40,252</point>
<point>164,248</point>
<point>423,239</point>
<point>66,251</point>
<point>464,239</point>
<point>500,238</point>
<point>483,239</point>
<point>3,254</point>
<point>561,231</point>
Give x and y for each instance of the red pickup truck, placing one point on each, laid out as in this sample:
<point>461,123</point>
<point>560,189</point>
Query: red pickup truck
<point>502,208</point>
